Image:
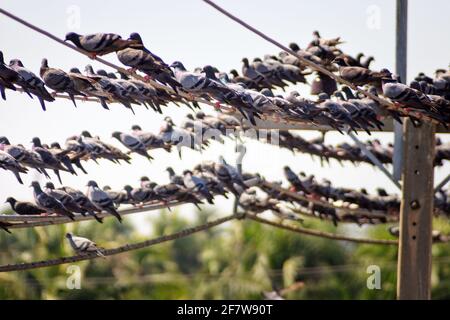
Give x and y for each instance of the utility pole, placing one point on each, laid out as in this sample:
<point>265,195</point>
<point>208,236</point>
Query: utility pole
<point>416,210</point>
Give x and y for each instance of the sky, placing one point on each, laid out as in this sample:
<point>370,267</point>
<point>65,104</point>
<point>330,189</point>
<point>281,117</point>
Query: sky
<point>192,32</point>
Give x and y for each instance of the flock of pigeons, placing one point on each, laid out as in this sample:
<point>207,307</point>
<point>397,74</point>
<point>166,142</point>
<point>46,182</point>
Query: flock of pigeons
<point>250,93</point>
<point>194,132</point>
<point>205,181</point>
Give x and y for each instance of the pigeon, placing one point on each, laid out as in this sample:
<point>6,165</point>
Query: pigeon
<point>9,163</point>
<point>27,158</point>
<point>229,176</point>
<point>8,77</point>
<point>150,140</point>
<point>326,42</point>
<point>67,200</point>
<point>84,246</point>
<point>249,83</point>
<point>83,202</point>
<point>174,178</point>
<point>197,83</point>
<point>59,81</point>
<point>172,191</point>
<point>101,199</point>
<point>360,76</point>
<point>49,160</point>
<point>133,143</point>
<point>34,84</point>
<point>106,84</point>
<point>49,203</point>
<point>197,184</point>
<point>139,195</point>
<point>118,197</point>
<point>144,60</point>
<point>99,44</point>
<point>250,72</point>
<point>294,180</point>
<point>90,86</point>
<point>24,208</point>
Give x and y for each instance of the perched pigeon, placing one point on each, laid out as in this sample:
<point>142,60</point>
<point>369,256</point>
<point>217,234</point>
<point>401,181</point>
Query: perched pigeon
<point>99,44</point>
<point>150,140</point>
<point>59,81</point>
<point>197,184</point>
<point>24,208</point>
<point>101,199</point>
<point>34,84</point>
<point>49,203</point>
<point>83,202</point>
<point>49,160</point>
<point>9,163</point>
<point>133,143</point>
<point>83,245</point>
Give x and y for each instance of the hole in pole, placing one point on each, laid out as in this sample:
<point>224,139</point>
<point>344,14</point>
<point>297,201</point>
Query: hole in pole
<point>416,146</point>
<point>414,223</point>
<point>414,237</point>
<point>416,172</point>
<point>414,204</point>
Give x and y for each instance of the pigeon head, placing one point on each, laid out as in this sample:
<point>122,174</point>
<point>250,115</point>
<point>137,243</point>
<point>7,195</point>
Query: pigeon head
<point>136,37</point>
<point>340,61</point>
<point>178,65</point>
<point>75,70</point>
<point>185,172</point>
<point>323,96</point>
<point>152,185</point>
<point>144,178</point>
<point>294,94</point>
<point>92,183</point>
<point>106,188</point>
<point>2,61</point>
<point>267,92</point>
<point>4,140</point>
<point>112,75</point>
<point>169,120</point>
<point>88,69</point>
<point>294,47</point>
<point>69,235</point>
<point>36,142</point>
<point>35,185</point>
<point>364,191</point>
<point>11,201</point>
<point>74,37</point>
<point>128,188</point>
<point>86,134</point>
<point>234,73</point>
<point>200,115</point>
<point>55,145</point>
<point>50,185</point>
<point>15,62</point>
<point>316,34</point>
<point>136,127</point>
<point>381,192</point>
<point>245,62</point>
<point>339,94</point>
<point>102,72</point>
<point>116,134</point>
<point>198,168</point>
<point>209,71</point>
<point>190,116</point>
<point>170,170</point>
<point>257,60</point>
<point>44,63</point>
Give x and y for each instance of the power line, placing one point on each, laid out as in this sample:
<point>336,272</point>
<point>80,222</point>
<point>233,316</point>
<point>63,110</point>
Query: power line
<point>108,252</point>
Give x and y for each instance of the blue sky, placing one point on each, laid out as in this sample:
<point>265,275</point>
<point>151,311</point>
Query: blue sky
<point>194,33</point>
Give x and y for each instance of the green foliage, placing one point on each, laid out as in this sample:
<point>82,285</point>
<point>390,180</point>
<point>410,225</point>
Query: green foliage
<point>239,260</point>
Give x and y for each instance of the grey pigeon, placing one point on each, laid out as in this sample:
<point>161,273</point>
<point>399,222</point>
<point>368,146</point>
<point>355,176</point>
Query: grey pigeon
<point>83,202</point>
<point>8,162</point>
<point>133,143</point>
<point>197,184</point>
<point>99,44</point>
<point>83,245</point>
<point>101,199</point>
<point>34,84</point>
<point>49,203</point>
<point>59,81</point>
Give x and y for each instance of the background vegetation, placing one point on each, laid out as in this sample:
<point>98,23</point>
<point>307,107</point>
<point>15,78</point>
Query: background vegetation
<point>239,260</point>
